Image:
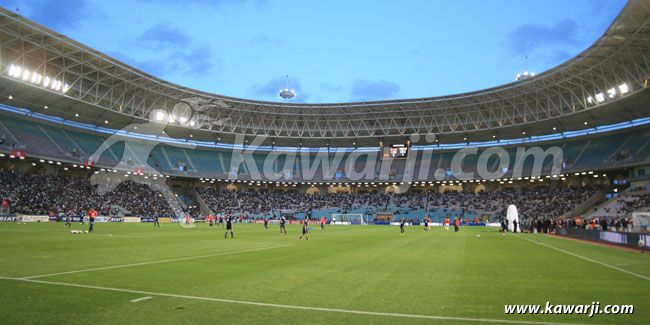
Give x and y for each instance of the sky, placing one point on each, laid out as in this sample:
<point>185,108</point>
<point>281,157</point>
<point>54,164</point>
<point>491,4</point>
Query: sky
<point>331,51</point>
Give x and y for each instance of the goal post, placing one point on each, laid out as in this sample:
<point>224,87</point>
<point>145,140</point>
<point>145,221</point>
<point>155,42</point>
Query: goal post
<point>348,219</point>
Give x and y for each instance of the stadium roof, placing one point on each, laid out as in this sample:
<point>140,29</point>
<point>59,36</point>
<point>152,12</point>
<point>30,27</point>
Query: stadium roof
<point>605,84</point>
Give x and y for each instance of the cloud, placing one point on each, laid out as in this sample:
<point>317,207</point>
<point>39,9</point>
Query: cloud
<point>212,3</point>
<point>528,37</point>
<point>168,50</point>
<point>559,56</point>
<point>57,15</point>
<point>196,61</point>
<point>364,90</point>
<point>191,62</point>
<point>265,40</point>
<point>330,87</point>
<point>269,90</point>
<point>164,35</point>
<point>150,66</point>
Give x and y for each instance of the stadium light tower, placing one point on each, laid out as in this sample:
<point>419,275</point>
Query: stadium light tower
<point>287,93</point>
<point>526,74</point>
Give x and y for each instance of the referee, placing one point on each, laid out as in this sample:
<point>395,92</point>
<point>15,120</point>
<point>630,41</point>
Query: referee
<point>229,228</point>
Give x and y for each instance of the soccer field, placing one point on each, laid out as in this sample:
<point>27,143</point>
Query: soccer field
<point>133,273</point>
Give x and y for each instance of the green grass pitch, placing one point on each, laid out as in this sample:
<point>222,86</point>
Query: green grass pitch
<point>49,276</point>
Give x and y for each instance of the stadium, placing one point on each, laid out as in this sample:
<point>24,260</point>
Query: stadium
<point>117,187</point>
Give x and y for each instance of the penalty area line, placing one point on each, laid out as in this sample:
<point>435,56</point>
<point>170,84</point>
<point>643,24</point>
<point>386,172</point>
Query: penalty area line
<point>153,262</point>
<point>613,267</point>
<point>270,305</point>
<point>140,299</point>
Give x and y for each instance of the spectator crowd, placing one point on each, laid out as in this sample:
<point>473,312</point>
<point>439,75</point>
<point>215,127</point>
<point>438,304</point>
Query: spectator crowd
<point>42,194</point>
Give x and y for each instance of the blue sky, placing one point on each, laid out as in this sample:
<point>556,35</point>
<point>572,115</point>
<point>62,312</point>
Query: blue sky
<point>332,51</point>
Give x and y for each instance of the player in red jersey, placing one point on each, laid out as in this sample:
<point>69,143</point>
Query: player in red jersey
<point>92,214</point>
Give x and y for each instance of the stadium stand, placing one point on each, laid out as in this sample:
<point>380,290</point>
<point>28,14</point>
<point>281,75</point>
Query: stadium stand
<point>42,140</point>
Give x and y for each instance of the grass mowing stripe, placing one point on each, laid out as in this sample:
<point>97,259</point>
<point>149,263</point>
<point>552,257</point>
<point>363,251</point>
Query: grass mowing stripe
<point>263,304</point>
<point>641,276</point>
<point>153,262</point>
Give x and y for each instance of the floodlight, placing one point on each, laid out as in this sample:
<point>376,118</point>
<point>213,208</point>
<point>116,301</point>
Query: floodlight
<point>623,88</point>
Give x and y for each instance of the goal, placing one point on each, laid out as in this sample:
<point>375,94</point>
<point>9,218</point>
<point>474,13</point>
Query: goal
<point>348,219</point>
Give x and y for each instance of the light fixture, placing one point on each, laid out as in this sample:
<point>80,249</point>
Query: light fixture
<point>623,88</point>
<point>160,116</point>
<point>37,78</point>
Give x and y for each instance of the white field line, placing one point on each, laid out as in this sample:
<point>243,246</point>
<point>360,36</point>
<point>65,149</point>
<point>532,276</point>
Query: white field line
<point>270,305</point>
<point>154,262</point>
<point>613,267</point>
<point>140,299</point>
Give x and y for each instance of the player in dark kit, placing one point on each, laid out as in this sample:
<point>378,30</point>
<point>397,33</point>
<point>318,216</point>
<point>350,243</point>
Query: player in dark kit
<point>401,226</point>
<point>229,228</point>
<point>426,223</point>
<point>305,229</point>
<point>283,225</point>
<point>156,222</point>
<point>266,223</point>
<point>68,220</point>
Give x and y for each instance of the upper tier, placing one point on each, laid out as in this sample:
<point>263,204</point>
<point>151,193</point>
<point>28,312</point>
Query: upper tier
<point>604,151</point>
<point>102,88</point>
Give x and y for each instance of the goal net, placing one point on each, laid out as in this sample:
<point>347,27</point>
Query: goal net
<point>348,219</point>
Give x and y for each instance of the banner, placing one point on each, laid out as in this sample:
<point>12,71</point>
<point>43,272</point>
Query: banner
<point>613,237</point>
<point>147,219</point>
<point>165,220</point>
<point>7,218</point>
<point>31,218</point>
<point>131,219</point>
<point>116,219</point>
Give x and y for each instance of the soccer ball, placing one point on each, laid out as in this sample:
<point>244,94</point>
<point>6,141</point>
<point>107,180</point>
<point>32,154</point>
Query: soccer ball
<point>478,235</point>
<point>641,243</point>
